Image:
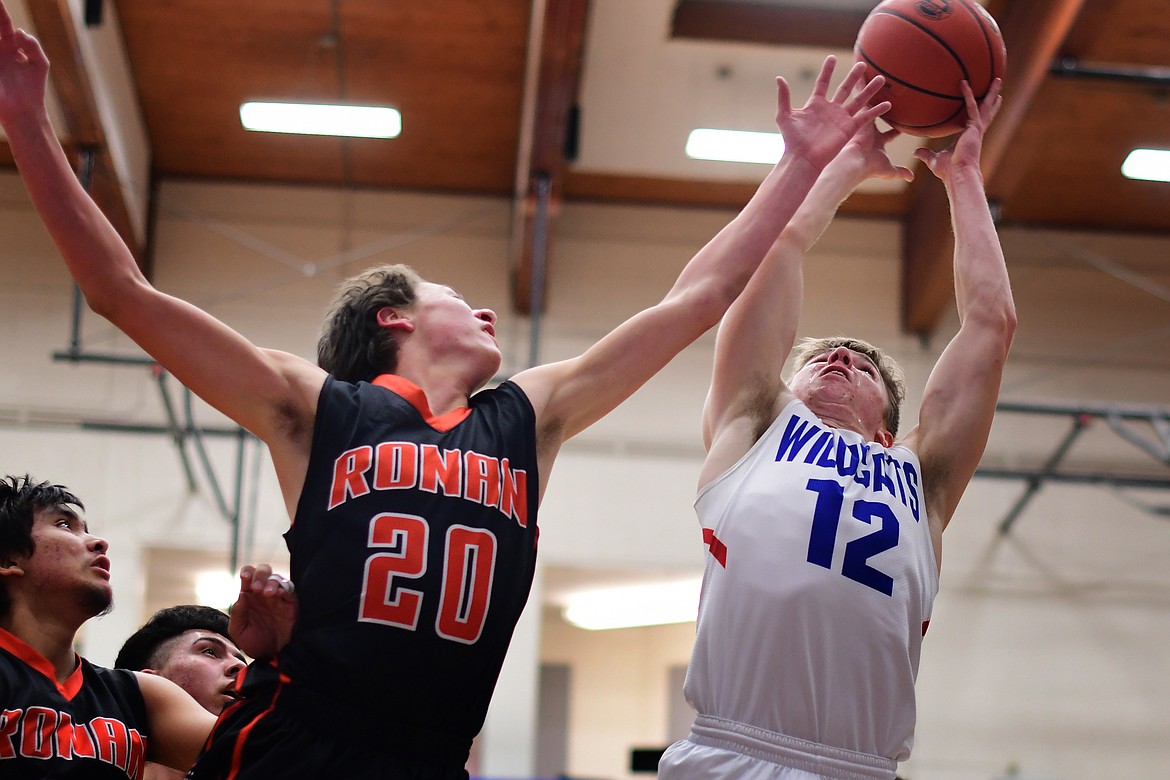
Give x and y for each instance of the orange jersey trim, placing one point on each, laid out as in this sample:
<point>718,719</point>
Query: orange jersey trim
<point>19,648</point>
<point>246,732</point>
<point>414,395</point>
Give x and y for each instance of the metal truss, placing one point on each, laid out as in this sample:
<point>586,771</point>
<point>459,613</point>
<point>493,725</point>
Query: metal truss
<point>1120,420</point>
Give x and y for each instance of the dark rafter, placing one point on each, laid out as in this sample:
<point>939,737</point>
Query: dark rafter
<point>544,165</point>
<point>53,21</point>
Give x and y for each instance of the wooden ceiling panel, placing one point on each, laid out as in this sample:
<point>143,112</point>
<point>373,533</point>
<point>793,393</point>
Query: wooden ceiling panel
<point>453,68</point>
<point>1134,32</point>
<point>755,22</point>
<point>1077,182</point>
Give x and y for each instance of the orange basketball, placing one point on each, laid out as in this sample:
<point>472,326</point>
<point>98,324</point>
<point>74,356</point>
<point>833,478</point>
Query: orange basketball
<point>925,48</point>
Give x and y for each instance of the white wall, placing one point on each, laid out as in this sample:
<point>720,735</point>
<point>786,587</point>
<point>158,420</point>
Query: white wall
<point>1047,649</point>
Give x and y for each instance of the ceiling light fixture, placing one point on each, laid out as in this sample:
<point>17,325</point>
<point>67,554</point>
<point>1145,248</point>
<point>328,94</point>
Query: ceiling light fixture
<point>735,146</point>
<point>631,606</point>
<point>1147,164</point>
<point>319,119</point>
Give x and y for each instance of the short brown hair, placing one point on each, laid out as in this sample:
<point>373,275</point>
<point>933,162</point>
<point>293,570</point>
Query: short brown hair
<point>352,347</point>
<point>893,378</point>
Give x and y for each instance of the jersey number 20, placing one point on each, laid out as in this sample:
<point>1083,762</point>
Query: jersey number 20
<point>469,563</point>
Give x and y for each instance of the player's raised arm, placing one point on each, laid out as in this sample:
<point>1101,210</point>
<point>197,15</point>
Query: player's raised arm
<point>271,394</point>
<point>757,334</point>
<point>571,395</point>
<point>959,400</point>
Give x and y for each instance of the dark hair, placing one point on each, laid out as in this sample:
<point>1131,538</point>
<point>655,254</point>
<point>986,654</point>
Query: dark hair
<point>892,376</point>
<point>20,499</point>
<point>352,347</point>
<point>141,650</point>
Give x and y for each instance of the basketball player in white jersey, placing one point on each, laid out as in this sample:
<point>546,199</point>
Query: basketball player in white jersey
<point>823,529</point>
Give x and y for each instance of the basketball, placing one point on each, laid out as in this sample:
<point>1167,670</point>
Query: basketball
<point>925,48</point>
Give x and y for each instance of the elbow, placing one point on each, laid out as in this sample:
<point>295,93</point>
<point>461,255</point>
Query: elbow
<point>103,303</point>
<point>1005,323</point>
<point>116,295</point>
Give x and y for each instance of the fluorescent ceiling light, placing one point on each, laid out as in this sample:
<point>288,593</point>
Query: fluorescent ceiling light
<point>313,119</point>
<point>1147,164</point>
<point>735,146</point>
<point>629,606</point>
<point>217,589</point>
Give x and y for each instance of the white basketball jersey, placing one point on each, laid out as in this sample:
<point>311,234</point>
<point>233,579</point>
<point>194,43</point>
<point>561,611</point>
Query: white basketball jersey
<point>818,587</point>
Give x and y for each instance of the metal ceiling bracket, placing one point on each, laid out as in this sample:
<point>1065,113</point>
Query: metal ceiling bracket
<point>1082,416</point>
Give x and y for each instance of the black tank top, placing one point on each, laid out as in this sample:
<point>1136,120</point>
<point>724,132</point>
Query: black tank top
<point>93,725</point>
<point>413,551</point>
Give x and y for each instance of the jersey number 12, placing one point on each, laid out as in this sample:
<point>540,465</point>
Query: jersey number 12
<point>823,538</point>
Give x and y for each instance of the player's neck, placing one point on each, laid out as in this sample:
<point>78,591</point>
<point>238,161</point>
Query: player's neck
<point>46,632</point>
<point>841,417</point>
<point>444,385</point>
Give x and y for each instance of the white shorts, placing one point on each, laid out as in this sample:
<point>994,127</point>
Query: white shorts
<point>717,749</point>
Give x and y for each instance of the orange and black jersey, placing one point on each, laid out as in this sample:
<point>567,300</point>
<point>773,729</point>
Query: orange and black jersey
<point>413,551</point>
<point>93,725</point>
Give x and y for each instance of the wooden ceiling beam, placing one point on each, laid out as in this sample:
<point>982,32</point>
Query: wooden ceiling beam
<point>542,158</point>
<point>754,22</point>
<point>83,129</point>
<point>1033,32</point>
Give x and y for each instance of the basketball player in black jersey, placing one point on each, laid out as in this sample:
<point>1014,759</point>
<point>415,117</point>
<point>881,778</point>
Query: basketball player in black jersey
<point>413,493</point>
<point>189,645</point>
<point>60,716</point>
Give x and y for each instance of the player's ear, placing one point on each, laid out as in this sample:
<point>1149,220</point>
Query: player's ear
<point>148,671</point>
<point>884,437</point>
<point>12,567</point>
<point>394,319</point>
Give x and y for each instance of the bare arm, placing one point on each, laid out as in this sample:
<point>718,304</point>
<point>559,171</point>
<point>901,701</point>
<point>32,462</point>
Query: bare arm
<point>958,403</point>
<point>757,334</point>
<point>272,394</point>
<point>571,395</point>
<point>178,724</point>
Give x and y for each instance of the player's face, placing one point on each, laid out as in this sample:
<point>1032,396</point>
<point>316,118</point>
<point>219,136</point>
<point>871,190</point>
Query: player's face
<point>68,560</point>
<point>450,326</point>
<point>204,664</point>
<point>841,380</point>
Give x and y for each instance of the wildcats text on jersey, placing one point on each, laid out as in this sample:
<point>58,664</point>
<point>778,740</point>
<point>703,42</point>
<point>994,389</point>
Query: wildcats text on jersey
<point>44,733</point>
<point>825,448</point>
<point>403,465</point>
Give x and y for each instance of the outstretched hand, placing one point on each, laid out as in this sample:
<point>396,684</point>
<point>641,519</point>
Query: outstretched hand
<point>869,145</point>
<point>820,129</point>
<point>263,616</point>
<point>965,151</point>
<point>23,70</point>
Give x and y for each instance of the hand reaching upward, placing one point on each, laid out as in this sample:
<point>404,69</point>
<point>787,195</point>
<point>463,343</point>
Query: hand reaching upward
<point>819,130</point>
<point>24,69</point>
<point>869,145</point>
<point>965,151</point>
<point>263,617</point>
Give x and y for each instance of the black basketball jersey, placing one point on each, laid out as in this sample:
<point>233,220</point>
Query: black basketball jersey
<point>413,551</point>
<point>93,725</point>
